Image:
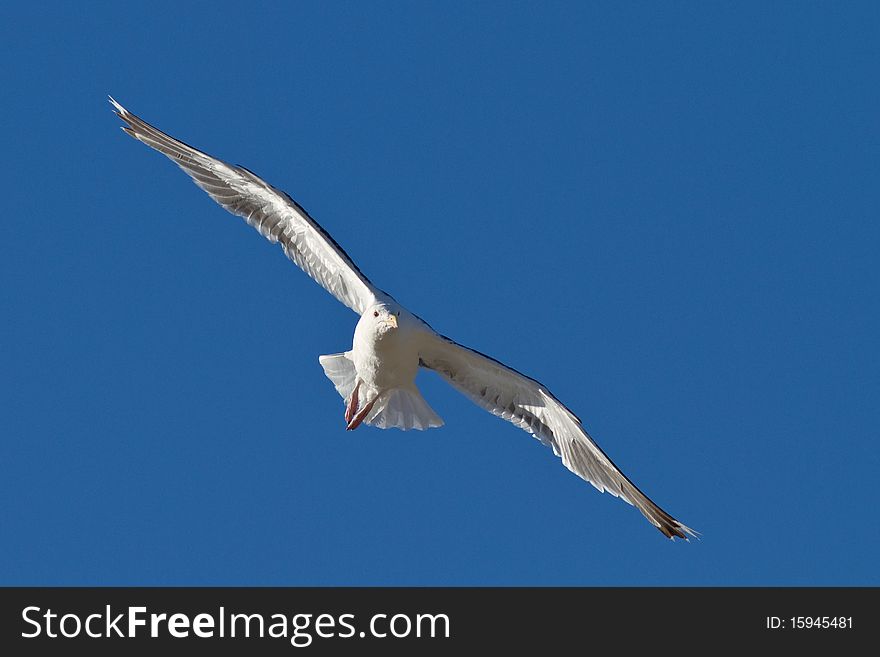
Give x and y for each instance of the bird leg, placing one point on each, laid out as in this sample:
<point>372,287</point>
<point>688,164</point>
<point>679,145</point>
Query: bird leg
<point>355,422</point>
<point>352,407</point>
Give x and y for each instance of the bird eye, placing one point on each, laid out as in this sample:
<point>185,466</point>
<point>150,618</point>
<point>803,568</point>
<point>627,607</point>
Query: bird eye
<point>375,313</point>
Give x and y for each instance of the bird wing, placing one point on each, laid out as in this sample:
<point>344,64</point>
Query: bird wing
<point>530,406</point>
<point>272,212</point>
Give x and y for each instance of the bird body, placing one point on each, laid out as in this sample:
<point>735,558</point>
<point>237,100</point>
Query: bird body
<point>376,377</point>
<point>385,356</point>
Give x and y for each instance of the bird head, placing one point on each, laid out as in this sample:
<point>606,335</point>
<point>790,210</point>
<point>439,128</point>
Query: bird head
<point>383,318</point>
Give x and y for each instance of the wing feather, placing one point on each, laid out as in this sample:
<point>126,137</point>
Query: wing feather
<point>272,212</point>
<point>529,405</point>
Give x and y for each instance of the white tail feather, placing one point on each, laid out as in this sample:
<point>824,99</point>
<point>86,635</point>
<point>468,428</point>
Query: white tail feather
<point>403,408</point>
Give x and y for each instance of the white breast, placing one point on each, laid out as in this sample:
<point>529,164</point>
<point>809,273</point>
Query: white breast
<point>386,359</point>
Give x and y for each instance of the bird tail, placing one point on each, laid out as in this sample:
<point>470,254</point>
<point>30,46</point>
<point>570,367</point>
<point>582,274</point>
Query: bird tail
<point>403,408</point>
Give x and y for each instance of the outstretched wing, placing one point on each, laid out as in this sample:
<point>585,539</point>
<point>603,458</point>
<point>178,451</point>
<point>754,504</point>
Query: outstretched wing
<point>530,406</point>
<point>272,212</point>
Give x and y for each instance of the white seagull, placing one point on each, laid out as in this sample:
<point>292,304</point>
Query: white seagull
<point>376,377</point>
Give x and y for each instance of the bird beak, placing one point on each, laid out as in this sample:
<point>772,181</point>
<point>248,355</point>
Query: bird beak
<point>392,321</point>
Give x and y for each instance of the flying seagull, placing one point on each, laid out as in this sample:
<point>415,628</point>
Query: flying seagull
<point>376,377</point>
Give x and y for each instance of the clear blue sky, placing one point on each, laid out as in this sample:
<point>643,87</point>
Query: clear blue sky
<point>668,214</point>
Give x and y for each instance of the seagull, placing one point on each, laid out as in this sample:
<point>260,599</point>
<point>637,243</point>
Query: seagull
<point>376,377</point>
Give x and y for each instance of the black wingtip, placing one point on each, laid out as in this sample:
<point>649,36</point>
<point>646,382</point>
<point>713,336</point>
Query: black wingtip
<point>679,531</point>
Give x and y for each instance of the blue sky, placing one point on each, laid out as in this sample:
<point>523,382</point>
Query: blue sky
<point>668,214</point>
